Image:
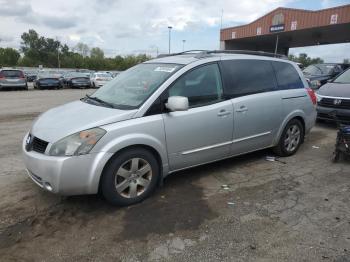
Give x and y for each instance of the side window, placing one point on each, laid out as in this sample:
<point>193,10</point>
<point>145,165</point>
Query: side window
<point>246,77</point>
<point>202,86</point>
<point>287,76</point>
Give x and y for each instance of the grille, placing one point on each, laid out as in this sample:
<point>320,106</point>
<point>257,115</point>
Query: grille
<point>341,118</point>
<point>329,102</point>
<point>39,145</point>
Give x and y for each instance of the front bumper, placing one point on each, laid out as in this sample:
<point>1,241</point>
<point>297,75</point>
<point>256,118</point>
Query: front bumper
<point>74,175</point>
<point>325,113</point>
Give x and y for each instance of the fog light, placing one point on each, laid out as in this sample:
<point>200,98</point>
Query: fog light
<point>47,186</point>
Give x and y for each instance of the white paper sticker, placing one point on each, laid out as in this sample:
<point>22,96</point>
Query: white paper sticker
<point>165,69</point>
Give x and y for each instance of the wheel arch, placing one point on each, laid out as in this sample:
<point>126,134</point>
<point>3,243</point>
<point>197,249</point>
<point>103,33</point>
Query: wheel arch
<point>299,115</point>
<point>149,148</point>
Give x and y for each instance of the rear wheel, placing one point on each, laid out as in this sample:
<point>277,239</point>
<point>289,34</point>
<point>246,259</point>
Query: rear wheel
<point>130,177</point>
<point>291,139</point>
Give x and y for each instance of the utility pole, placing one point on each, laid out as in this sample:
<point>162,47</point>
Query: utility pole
<point>58,54</point>
<point>276,47</point>
<point>183,45</point>
<point>169,27</point>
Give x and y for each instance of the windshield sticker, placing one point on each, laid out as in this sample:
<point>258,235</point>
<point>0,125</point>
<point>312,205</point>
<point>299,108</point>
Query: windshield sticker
<point>165,69</point>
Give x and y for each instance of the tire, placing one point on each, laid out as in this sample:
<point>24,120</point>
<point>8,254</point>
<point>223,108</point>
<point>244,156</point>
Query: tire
<point>123,184</point>
<point>336,156</point>
<point>286,146</point>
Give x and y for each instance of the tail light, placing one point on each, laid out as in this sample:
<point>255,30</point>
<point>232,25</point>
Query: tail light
<point>21,75</point>
<point>2,76</point>
<point>312,95</point>
<point>98,79</point>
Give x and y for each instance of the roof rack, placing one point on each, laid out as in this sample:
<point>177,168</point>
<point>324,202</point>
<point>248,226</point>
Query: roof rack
<point>243,52</point>
<point>183,53</point>
<point>205,53</point>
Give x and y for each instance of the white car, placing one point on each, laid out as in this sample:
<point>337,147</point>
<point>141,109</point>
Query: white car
<point>99,79</point>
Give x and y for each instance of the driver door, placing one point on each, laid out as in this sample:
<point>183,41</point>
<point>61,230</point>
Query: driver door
<point>203,133</point>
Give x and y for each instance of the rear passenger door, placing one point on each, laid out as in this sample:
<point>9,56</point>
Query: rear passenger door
<point>251,85</point>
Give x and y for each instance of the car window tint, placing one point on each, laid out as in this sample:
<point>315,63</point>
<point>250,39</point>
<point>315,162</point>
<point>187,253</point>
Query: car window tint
<point>11,73</point>
<point>245,77</point>
<point>287,76</point>
<point>201,86</point>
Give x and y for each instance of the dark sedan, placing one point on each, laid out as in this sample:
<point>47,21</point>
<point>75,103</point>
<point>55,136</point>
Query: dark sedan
<point>318,74</point>
<point>334,97</point>
<point>77,80</point>
<point>48,80</point>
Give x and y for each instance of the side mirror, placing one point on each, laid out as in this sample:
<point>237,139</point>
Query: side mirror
<point>177,103</point>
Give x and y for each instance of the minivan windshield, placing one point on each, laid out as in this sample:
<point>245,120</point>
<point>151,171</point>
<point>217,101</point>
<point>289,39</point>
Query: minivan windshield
<point>344,78</point>
<point>132,87</point>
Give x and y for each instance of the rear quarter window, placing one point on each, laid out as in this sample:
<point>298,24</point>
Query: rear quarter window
<point>287,76</point>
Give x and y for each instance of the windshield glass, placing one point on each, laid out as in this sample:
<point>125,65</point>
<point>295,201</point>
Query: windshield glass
<point>76,74</point>
<point>132,87</point>
<point>319,69</point>
<point>343,78</point>
<point>11,73</point>
<point>49,75</point>
<point>104,75</point>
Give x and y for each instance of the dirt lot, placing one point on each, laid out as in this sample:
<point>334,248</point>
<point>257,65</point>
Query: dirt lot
<point>272,211</point>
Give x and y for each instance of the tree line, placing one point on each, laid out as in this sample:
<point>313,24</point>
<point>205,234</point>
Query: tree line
<point>37,50</point>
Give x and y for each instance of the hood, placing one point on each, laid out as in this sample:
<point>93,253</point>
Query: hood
<point>335,90</point>
<point>73,117</point>
<point>318,77</point>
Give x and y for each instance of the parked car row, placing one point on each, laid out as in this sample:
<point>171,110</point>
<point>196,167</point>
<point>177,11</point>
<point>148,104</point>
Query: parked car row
<point>318,74</point>
<point>52,79</point>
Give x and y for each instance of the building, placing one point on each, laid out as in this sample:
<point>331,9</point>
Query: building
<point>284,28</point>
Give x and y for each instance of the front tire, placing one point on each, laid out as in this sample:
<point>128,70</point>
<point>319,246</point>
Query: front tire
<point>130,177</point>
<point>291,139</point>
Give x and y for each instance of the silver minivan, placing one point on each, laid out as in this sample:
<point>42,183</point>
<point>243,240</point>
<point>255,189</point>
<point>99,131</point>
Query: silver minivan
<point>165,115</point>
<point>12,79</point>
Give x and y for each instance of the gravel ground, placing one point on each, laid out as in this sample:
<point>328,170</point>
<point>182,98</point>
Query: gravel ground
<point>294,210</point>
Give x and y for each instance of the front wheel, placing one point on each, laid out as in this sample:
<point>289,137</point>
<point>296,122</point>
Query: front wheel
<point>130,177</point>
<point>291,139</point>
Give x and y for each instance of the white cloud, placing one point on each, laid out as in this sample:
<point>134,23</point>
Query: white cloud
<point>125,26</point>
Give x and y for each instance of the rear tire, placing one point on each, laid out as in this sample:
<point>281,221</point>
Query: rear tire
<point>130,177</point>
<point>291,139</point>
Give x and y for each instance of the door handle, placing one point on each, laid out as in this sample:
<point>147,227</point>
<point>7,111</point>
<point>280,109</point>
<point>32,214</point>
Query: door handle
<point>242,109</point>
<point>224,113</point>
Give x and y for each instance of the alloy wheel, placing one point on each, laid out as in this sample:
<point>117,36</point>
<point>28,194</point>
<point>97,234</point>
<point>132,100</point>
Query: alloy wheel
<point>292,138</point>
<point>133,177</point>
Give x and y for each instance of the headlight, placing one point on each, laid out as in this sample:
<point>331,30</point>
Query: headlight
<point>318,97</point>
<point>315,84</point>
<point>77,144</point>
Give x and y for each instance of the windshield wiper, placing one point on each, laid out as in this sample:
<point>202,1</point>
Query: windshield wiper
<point>94,98</point>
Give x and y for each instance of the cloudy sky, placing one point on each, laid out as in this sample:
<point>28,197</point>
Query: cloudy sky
<point>139,26</point>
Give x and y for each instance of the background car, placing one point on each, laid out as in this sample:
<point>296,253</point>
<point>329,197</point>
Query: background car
<point>49,80</point>
<point>77,80</point>
<point>99,79</point>
<point>318,74</point>
<point>12,79</point>
<point>30,75</point>
<point>334,98</point>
